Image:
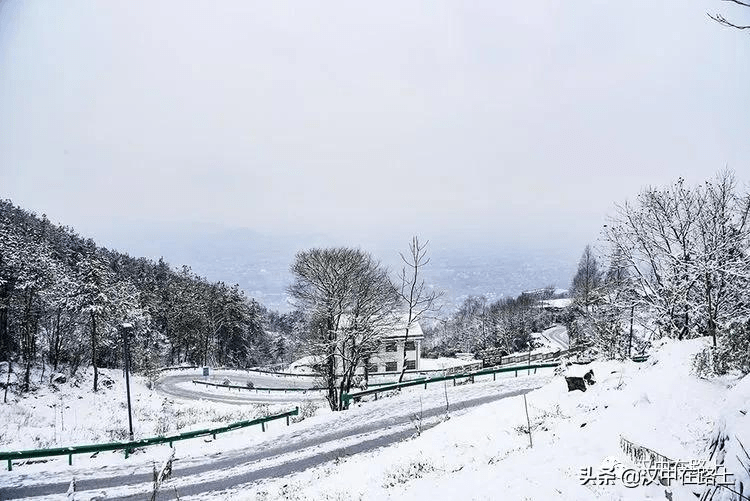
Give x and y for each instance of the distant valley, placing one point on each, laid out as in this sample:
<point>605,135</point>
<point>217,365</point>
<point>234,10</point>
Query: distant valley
<point>259,263</point>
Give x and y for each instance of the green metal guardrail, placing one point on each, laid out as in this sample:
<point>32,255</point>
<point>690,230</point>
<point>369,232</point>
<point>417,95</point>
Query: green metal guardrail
<point>144,442</point>
<point>269,390</point>
<point>347,397</point>
<point>255,388</point>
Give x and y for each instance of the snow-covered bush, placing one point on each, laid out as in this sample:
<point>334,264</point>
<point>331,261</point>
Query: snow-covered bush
<point>408,472</point>
<point>730,445</point>
<point>732,352</point>
<point>166,420</point>
<point>307,409</point>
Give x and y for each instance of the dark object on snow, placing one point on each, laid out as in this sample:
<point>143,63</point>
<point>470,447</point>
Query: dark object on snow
<point>249,384</point>
<point>226,382</point>
<point>59,378</point>
<point>106,381</point>
<point>575,383</point>
<point>580,383</point>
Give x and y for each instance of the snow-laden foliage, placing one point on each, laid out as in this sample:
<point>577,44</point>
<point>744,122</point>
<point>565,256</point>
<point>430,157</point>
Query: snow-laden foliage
<point>62,298</point>
<point>679,266</point>
<point>506,324</point>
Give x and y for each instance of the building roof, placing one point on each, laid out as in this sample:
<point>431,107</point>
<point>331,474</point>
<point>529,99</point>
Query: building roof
<point>415,330</point>
<point>399,329</point>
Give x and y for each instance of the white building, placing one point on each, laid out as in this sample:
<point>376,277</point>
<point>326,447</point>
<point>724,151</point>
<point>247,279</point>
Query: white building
<point>390,356</point>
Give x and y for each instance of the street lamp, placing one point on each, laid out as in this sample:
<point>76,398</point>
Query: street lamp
<point>127,330</point>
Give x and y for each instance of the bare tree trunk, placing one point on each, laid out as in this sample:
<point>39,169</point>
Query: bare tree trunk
<point>403,362</point>
<point>93,350</point>
<point>630,338</point>
<point>7,383</point>
<point>55,348</point>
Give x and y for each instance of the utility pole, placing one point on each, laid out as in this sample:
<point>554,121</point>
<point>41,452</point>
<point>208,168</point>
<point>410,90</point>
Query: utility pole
<point>127,329</point>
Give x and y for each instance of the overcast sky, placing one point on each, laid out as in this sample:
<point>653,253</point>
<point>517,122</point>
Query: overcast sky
<point>513,121</point>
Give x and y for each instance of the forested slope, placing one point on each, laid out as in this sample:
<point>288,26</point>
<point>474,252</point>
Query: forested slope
<point>62,298</point>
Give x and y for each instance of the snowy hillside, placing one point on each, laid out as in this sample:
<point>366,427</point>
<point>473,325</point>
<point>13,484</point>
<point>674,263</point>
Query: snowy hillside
<point>68,413</point>
<point>485,453</point>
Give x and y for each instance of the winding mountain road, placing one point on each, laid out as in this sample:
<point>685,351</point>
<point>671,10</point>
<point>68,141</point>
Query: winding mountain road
<point>181,386</point>
<point>250,458</point>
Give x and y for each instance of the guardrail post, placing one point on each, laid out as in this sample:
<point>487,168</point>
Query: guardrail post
<point>10,465</point>
<point>494,376</point>
<point>70,458</point>
<point>214,435</point>
<point>425,385</point>
<point>263,425</point>
<point>170,444</point>
<point>516,373</point>
<point>287,420</point>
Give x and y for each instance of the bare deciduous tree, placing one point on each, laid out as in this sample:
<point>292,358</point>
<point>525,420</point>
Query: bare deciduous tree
<point>719,18</point>
<point>418,299</point>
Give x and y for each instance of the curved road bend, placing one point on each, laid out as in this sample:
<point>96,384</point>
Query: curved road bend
<point>174,386</point>
<point>266,450</point>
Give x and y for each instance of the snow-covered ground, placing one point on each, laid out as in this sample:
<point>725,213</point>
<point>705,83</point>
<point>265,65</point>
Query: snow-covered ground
<point>407,446</point>
<point>70,413</point>
<point>249,451</point>
<point>443,363</point>
<point>485,453</point>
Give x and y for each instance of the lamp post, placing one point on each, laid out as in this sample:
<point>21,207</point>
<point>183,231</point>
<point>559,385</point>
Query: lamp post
<point>127,329</point>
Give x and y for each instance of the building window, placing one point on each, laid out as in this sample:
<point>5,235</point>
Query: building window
<point>391,366</point>
<point>372,368</point>
<point>411,346</point>
<point>390,347</point>
<point>411,364</point>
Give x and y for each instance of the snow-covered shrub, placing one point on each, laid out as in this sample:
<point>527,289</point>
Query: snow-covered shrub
<point>730,445</point>
<point>166,420</point>
<point>404,473</point>
<point>307,409</point>
<point>732,352</point>
<point>117,432</point>
<point>540,421</point>
<point>262,410</point>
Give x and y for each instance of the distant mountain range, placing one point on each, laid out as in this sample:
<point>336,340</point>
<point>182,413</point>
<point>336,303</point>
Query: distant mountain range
<point>259,263</point>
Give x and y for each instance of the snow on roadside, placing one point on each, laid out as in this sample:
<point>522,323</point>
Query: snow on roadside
<point>323,425</point>
<point>426,364</point>
<point>69,413</point>
<point>485,453</point>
